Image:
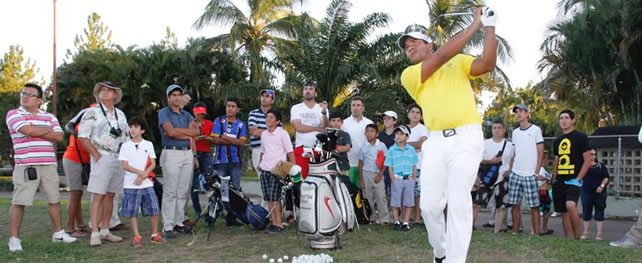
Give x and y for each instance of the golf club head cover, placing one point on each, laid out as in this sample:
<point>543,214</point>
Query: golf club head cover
<point>488,16</point>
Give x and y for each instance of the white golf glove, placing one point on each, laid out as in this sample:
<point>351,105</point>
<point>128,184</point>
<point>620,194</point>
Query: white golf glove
<point>488,16</point>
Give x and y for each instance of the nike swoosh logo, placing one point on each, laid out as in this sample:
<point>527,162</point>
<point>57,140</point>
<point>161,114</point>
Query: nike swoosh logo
<point>58,238</point>
<point>327,204</point>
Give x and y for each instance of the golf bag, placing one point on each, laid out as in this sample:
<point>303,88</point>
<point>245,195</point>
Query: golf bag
<point>361,206</point>
<point>237,204</point>
<point>326,209</point>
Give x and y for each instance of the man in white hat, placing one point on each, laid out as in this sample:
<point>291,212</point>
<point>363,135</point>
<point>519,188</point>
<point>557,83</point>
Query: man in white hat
<point>440,83</point>
<point>102,130</point>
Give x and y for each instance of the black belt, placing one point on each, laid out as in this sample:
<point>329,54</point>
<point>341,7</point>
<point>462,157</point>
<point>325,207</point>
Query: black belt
<point>180,148</point>
<point>405,177</point>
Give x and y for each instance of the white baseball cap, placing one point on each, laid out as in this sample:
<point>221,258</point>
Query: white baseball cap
<point>390,113</point>
<point>414,31</point>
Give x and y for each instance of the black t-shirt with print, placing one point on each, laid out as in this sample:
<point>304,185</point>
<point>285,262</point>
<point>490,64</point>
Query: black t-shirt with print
<point>569,148</point>
<point>343,138</point>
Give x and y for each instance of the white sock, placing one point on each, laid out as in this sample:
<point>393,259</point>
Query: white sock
<point>95,234</point>
<point>104,232</point>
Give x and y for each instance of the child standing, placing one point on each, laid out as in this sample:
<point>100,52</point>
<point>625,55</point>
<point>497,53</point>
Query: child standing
<point>344,143</point>
<point>402,166</point>
<point>138,160</point>
<point>545,196</point>
<point>275,146</point>
<point>371,175</point>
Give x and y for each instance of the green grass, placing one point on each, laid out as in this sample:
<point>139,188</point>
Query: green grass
<point>238,244</point>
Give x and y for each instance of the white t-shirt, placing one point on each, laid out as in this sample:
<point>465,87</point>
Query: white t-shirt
<point>491,148</point>
<point>415,135</point>
<point>136,155</point>
<point>309,117</point>
<point>357,131</point>
<point>526,141</point>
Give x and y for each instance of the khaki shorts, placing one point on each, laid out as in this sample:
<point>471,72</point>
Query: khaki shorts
<point>106,175</point>
<point>72,172</point>
<point>24,190</point>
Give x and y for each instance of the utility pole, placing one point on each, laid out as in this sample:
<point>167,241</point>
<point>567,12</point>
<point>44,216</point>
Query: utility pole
<point>55,86</point>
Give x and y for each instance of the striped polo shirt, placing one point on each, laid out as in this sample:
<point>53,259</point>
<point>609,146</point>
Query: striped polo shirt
<point>256,119</point>
<point>401,160</point>
<point>32,150</point>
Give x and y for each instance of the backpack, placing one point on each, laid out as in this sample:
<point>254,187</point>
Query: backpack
<point>361,206</point>
<point>488,173</point>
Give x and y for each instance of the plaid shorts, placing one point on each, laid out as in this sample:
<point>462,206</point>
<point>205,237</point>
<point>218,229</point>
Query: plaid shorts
<point>270,186</point>
<point>523,185</point>
<point>134,199</point>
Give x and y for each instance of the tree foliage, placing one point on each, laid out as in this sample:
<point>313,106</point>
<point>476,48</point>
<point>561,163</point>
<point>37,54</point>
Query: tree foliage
<point>14,70</point>
<point>143,74</point>
<point>593,58</point>
<point>97,36</point>
<point>254,35</point>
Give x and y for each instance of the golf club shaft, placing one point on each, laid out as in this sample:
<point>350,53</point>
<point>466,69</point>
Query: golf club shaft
<point>457,14</point>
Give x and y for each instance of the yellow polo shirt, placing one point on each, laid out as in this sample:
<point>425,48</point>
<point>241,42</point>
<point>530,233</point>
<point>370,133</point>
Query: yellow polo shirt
<point>446,97</point>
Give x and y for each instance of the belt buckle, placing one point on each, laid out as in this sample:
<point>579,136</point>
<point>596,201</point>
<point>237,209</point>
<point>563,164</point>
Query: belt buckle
<point>449,132</point>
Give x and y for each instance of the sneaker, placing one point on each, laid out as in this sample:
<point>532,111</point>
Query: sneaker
<point>625,242</point>
<point>182,229</point>
<point>111,238</point>
<point>119,227</point>
<point>138,242</point>
<point>95,240</point>
<point>439,260</point>
<point>169,233</point>
<point>63,237</point>
<point>14,244</point>
<point>188,223</point>
<point>272,229</point>
<point>488,225</point>
<point>547,232</point>
<point>555,214</point>
<point>158,239</point>
<point>396,225</point>
<point>405,226</point>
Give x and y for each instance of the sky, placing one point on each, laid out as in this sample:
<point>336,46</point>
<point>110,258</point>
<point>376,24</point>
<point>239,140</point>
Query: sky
<point>29,23</point>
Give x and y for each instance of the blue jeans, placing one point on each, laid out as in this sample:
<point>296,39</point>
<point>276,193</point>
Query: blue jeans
<point>233,170</point>
<point>205,163</point>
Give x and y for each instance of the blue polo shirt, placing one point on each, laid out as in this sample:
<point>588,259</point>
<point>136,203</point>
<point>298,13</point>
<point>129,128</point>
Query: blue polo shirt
<point>401,160</point>
<point>180,119</point>
<point>228,153</point>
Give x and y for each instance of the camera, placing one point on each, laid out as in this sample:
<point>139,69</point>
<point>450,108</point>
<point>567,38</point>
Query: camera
<point>115,131</point>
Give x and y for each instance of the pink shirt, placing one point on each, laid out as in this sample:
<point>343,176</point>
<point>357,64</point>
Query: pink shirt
<point>32,150</point>
<point>275,147</point>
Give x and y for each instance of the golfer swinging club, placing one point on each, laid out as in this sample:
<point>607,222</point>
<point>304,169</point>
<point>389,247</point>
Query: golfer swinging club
<point>440,83</point>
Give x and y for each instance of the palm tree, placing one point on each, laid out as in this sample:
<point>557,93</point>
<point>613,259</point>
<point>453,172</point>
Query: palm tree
<point>443,27</point>
<point>594,57</point>
<point>254,35</point>
<point>334,52</point>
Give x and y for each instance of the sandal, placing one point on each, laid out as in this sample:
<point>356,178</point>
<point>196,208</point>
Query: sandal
<point>85,228</point>
<point>77,234</point>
